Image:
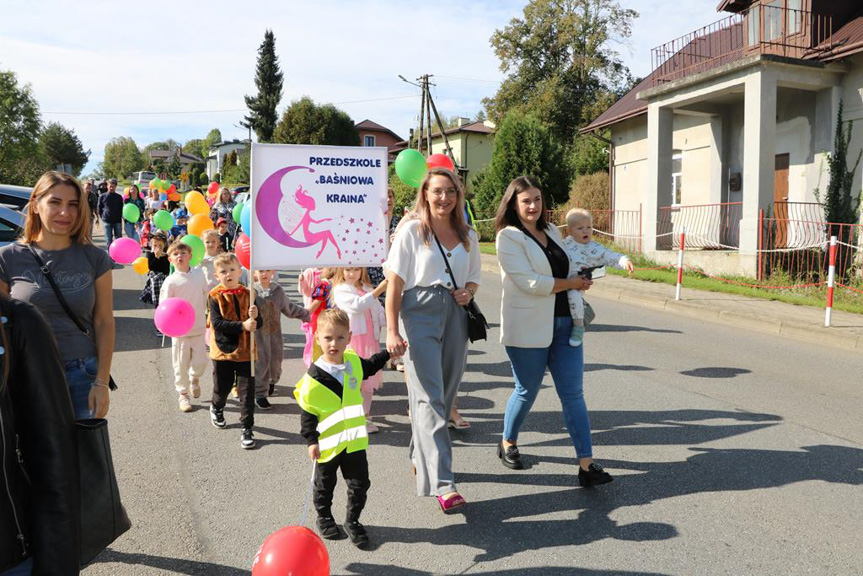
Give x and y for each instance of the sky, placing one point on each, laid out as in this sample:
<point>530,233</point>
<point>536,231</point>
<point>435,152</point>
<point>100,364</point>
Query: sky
<point>177,69</point>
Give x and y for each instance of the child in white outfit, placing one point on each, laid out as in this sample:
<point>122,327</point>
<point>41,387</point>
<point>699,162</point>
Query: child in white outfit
<point>584,253</point>
<point>189,353</point>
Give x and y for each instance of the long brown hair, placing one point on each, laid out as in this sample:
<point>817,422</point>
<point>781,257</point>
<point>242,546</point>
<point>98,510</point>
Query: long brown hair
<point>507,215</point>
<point>81,231</point>
<point>423,210</point>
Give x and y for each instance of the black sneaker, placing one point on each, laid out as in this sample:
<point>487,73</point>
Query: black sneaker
<point>593,476</point>
<point>272,389</point>
<point>328,528</point>
<point>217,417</point>
<point>263,403</point>
<point>357,534</point>
<point>247,440</point>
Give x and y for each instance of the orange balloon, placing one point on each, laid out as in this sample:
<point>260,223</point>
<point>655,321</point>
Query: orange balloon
<point>174,197</point>
<point>199,223</point>
<point>196,203</point>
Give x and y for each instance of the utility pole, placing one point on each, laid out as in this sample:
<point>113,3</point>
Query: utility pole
<point>427,107</point>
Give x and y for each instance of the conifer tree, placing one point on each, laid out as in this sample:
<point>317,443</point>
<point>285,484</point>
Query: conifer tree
<point>268,79</point>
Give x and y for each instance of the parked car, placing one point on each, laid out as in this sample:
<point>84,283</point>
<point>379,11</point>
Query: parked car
<point>15,196</point>
<point>142,178</point>
<point>241,198</point>
<point>11,224</point>
<point>239,190</point>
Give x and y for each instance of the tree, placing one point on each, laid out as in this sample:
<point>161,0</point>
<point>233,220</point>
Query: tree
<point>304,122</point>
<point>169,144</point>
<point>194,146</point>
<point>559,60</point>
<point>587,155</point>
<point>480,116</point>
<point>61,146</point>
<point>405,195</point>
<point>21,161</point>
<point>523,146</point>
<point>214,136</point>
<point>590,191</point>
<point>122,157</point>
<point>268,80</point>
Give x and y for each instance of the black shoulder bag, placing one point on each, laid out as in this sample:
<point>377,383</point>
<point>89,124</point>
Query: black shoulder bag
<point>111,384</point>
<point>476,323</point>
<point>103,517</point>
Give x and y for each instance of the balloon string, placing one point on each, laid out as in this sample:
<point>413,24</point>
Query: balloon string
<point>309,494</point>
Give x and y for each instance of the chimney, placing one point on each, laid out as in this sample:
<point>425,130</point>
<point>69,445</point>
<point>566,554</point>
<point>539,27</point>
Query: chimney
<point>462,121</point>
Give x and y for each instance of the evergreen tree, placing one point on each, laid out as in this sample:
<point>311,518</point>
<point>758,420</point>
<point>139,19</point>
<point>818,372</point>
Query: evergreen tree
<point>62,147</point>
<point>268,79</point>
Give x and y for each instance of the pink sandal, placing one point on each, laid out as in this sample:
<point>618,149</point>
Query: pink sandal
<point>451,504</point>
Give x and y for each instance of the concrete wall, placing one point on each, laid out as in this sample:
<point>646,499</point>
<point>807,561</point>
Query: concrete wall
<point>472,150</point>
<point>852,98</point>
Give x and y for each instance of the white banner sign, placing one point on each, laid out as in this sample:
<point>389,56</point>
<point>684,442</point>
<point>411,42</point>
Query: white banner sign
<point>318,206</point>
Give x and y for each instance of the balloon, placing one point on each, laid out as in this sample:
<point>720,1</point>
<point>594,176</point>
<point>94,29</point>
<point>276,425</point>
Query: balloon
<point>213,188</point>
<point>196,203</point>
<point>174,197</point>
<point>246,217</point>
<point>131,212</point>
<point>124,250</point>
<point>163,197</point>
<point>238,211</point>
<point>292,550</point>
<point>171,189</point>
<point>163,220</point>
<point>411,167</point>
<point>242,249</point>
<point>174,317</point>
<point>440,161</point>
<point>140,265</point>
<point>197,246</point>
<point>198,223</point>
<point>164,185</point>
<point>154,183</point>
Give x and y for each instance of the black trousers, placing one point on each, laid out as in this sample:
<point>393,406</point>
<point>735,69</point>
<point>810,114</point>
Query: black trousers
<point>355,471</point>
<point>225,372</point>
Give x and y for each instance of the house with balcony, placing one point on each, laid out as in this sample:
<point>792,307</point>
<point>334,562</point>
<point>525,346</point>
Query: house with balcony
<point>732,129</point>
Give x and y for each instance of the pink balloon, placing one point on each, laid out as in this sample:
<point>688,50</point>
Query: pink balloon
<point>174,317</point>
<point>440,161</point>
<point>124,250</point>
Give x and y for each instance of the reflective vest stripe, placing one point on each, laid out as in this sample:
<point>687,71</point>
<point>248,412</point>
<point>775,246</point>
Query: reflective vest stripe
<point>345,413</point>
<point>348,435</point>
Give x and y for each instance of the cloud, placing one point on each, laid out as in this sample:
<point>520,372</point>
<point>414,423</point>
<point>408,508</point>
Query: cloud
<point>100,56</point>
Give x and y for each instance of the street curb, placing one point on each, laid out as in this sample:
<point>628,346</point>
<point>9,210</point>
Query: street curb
<point>797,330</point>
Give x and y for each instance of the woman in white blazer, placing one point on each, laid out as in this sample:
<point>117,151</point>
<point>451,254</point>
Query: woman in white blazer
<point>535,324</point>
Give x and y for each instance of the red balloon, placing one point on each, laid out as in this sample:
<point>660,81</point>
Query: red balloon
<point>292,551</point>
<point>171,189</point>
<point>242,248</point>
<point>440,161</point>
<point>213,187</point>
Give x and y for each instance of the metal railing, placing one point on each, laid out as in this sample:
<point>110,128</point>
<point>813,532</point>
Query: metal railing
<point>619,227</point>
<point>708,226</point>
<point>761,30</point>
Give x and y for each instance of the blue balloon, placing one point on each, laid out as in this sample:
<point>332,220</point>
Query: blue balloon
<point>163,196</point>
<point>246,218</point>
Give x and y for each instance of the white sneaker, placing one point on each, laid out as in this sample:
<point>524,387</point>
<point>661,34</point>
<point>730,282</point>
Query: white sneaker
<point>196,389</point>
<point>185,403</point>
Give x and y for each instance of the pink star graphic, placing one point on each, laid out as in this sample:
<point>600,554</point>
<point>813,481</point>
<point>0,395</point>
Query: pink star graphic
<point>352,220</point>
<point>380,240</point>
<point>370,224</point>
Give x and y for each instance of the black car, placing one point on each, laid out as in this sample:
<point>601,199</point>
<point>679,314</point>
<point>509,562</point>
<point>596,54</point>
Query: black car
<point>14,196</point>
<point>11,224</point>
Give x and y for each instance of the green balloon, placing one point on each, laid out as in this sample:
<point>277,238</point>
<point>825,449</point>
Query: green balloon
<point>411,167</point>
<point>197,246</point>
<point>163,220</point>
<point>154,183</point>
<point>238,209</point>
<point>164,185</point>
<point>131,213</point>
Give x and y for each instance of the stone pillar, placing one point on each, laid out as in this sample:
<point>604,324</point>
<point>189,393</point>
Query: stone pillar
<point>660,131</point>
<point>759,158</point>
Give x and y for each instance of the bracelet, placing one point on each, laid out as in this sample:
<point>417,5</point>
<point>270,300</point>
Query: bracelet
<point>100,382</point>
<point>472,293</point>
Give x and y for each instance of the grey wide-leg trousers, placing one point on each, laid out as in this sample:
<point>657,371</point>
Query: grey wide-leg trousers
<point>436,330</point>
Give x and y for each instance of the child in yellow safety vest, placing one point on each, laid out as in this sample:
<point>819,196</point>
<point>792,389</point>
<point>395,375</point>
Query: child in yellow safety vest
<point>334,425</point>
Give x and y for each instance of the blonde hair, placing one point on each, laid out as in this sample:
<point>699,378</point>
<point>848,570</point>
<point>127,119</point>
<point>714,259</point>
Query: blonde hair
<point>209,232</point>
<point>423,210</point>
<point>178,245</point>
<point>339,277</point>
<point>81,229</point>
<point>334,317</point>
<point>225,259</point>
<point>578,214</point>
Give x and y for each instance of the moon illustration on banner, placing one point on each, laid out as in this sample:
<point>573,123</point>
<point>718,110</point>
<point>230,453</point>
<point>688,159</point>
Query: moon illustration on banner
<point>266,208</point>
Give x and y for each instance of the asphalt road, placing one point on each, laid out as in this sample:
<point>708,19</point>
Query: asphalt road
<point>734,452</point>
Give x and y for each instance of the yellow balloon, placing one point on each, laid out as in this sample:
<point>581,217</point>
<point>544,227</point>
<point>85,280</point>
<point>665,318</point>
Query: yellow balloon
<point>198,223</point>
<point>140,265</point>
<point>196,204</point>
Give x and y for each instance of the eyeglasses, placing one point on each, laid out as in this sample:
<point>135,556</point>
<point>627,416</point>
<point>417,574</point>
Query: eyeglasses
<point>441,192</point>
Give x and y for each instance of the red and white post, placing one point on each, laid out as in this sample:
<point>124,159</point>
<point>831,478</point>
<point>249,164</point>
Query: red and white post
<point>680,264</point>
<point>831,280</point>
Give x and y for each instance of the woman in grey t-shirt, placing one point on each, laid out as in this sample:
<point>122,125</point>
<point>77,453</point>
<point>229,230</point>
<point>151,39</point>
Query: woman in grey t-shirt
<point>58,227</point>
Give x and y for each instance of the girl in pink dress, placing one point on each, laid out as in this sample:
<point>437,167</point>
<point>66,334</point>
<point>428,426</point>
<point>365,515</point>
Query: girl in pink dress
<point>314,285</point>
<point>353,294</point>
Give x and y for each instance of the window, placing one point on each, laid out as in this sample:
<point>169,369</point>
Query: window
<point>795,17</point>
<point>773,16</point>
<point>754,36</point>
<point>677,178</point>
<point>368,140</point>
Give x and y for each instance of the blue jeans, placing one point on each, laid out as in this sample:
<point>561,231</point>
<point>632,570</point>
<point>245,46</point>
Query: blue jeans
<point>80,374</point>
<point>567,370</point>
<point>131,232</point>
<point>113,231</point>
<point>25,568</point>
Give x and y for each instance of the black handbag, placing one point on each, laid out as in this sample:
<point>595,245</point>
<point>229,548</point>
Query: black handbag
<point>476,324</point>
<point>103,517</point>
<point>47,272</point>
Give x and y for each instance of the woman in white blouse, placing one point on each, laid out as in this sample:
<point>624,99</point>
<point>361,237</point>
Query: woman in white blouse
<point>422,291</point>
<point>535,324</point>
